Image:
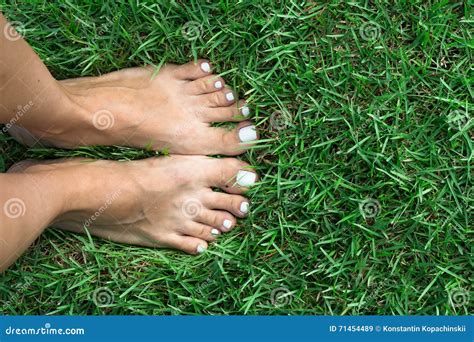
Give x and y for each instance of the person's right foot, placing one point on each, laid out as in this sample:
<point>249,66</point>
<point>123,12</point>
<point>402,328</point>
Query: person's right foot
<point>157,202</point>
<point>172,110</point>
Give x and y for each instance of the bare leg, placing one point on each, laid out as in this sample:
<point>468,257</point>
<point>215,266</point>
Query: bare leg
<point>29,94</point>
<point>28,203</point>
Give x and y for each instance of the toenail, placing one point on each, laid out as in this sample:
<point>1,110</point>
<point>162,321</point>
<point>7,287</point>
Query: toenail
<point>218,85</point>
<point>248,133</point>
<point>229,96</point>
<point>246,178</point>
<point>227,224</point>
<point>215,232</point>
<point>205,67</point>
<point>244,207</point>
<point>201,249</point>
<point>245,111</point>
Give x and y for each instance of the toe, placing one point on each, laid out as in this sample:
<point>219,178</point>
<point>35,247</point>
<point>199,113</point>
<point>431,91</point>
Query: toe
<point>221,98</point>
<point>235,113</point>
<point>219,219</point>
<point>235,204</point>
<point>247,133</point>
<point>205,85</point>
<point>188,244</point>
<point>200,230</point>
<point>222,140</point>
<point>193,70</point>
<point>231,175</point>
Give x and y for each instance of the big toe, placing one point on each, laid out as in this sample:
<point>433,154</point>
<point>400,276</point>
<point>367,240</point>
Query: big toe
<point>193,70</point>
<point>231,142</point>
<point>231,175</point>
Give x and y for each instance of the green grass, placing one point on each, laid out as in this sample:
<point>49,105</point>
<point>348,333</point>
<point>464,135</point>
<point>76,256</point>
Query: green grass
<point>348,112</point>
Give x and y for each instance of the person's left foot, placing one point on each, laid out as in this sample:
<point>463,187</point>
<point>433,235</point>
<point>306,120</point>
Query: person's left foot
<point>171,110</point>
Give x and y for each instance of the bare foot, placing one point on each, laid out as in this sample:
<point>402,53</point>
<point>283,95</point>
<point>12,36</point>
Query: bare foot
<point>158,202</point>
<point>171,110</point>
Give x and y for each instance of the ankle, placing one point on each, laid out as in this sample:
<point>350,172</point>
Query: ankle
<point>54,117</point>
<point>92,124</point>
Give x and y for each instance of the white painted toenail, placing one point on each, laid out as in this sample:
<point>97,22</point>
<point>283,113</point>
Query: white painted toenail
<point>244,207</point>
<point>248,133</point>
<point>245,111</point>
<point>246,178</point>
<point>215,232</point>
<point>229,96</point>
<point>200,249</point>
<point>227,224</point>
<point>218,85</point>
<point>205,67</point>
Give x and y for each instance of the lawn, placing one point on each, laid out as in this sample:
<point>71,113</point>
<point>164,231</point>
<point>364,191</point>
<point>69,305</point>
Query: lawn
<point>366,194</point>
